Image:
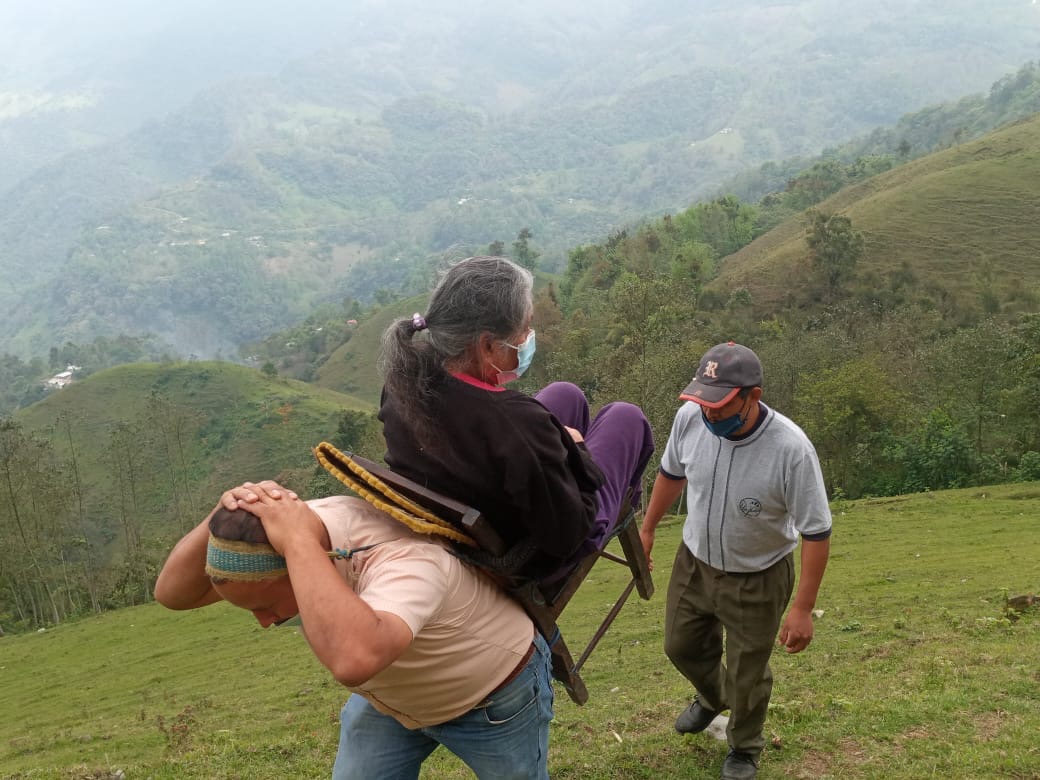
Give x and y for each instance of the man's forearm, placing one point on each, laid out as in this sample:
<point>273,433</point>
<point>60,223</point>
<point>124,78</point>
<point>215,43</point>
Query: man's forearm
<point>183,583</point>
<point>348,637</point>
<point>814,564</point>
<point>664,494</point>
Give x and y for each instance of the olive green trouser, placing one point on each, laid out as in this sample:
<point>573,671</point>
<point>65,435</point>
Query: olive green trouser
<point>702,601</point>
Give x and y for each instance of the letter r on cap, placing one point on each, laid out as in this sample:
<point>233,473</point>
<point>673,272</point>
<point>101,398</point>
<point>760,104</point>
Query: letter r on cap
<point>710,368</point>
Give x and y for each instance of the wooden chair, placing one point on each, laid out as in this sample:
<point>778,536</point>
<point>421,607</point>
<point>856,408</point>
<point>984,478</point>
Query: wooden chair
<point>429,512</point>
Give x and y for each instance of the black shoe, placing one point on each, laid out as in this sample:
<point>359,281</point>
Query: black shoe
<point>694,719</point>
<point>739,766</point>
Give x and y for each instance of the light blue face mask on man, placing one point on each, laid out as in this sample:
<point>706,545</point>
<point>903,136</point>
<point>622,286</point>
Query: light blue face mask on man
<point>524,356</point>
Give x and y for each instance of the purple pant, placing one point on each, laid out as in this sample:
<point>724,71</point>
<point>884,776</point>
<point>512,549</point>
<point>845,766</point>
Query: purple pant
<point>620,442</point>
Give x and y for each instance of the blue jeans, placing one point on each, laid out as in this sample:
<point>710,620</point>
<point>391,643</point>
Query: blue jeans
<point>505,737</point>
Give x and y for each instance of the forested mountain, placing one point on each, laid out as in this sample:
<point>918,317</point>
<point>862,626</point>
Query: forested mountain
<point>419,131</point>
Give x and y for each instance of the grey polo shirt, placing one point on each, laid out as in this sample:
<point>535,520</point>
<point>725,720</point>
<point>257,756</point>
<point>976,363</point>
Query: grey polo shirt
<point>747,499</point>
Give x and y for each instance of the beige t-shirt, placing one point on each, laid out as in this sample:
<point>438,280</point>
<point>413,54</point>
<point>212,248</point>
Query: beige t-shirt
<point>468,635</point>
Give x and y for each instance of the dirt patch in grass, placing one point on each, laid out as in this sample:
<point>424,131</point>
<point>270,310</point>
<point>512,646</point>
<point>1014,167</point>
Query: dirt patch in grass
<point>852,752</point>
<point>913,734</point>
<point>84,773</point>
<point>880,651</point>
<point>814,764</point>
<point>817,763</point>
<point>646,721</point>
<point>988,725</point>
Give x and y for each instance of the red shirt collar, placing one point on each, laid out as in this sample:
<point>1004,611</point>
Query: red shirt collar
<point>472,380</point>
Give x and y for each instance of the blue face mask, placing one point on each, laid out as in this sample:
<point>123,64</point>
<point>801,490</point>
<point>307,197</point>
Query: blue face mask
<point>727,426</point>
<point>524,356</point>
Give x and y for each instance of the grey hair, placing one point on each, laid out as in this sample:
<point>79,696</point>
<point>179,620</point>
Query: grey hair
<point>475,296</point>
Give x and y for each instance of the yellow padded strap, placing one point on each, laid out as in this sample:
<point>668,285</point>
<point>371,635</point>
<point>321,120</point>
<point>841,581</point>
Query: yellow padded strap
<point>382,496</point>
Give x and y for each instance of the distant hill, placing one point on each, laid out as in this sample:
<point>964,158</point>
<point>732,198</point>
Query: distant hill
<point>353,367</point>
<point>963,221</point>
<point>100,476</point>
<point>233,423</point>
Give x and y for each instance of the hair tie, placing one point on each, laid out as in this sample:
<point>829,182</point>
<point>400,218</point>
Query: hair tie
<point>418,322</point>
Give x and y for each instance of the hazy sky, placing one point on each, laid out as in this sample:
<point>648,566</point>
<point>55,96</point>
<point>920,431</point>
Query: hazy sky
<point>61,40</point>
<point>42,40</point>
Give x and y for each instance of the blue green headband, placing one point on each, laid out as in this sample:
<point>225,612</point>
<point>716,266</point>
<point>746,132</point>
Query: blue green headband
<point>243,561</point>
<point>254,561</point>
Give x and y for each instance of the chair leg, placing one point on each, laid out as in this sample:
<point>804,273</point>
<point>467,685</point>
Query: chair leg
<point>636,558</point>
<point>544,617</point>
<point>544,608</point>
<point>564,672</point>
<point>608,621</point>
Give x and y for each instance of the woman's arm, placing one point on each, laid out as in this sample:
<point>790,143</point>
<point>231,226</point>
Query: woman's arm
<point>554,479</point>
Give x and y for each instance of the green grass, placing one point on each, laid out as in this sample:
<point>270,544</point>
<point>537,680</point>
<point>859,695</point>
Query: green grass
<point>915,671</point>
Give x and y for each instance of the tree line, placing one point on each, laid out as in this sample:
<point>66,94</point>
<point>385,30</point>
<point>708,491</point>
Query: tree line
<point>60,526</point>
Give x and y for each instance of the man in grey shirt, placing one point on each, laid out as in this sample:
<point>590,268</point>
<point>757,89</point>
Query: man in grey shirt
<point>754,486</point>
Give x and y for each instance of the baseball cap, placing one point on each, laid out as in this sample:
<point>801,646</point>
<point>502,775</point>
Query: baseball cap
<point>724,370</point>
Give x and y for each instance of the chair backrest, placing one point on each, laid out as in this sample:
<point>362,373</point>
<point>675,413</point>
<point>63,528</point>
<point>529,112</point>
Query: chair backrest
<point>466,518</point>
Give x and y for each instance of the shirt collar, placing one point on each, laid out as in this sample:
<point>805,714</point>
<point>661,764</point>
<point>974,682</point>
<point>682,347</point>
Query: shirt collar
<point>472,380</point>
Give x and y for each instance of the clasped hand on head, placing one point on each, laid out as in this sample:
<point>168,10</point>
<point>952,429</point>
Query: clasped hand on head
<point>252,492</point>
<point>285,517</point>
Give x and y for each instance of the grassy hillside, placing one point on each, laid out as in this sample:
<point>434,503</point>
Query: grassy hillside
<point>916,671</point>
<point>352,368</point>
<point>234,422</point>
<point>99,477</point>
<point>964,221</point>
